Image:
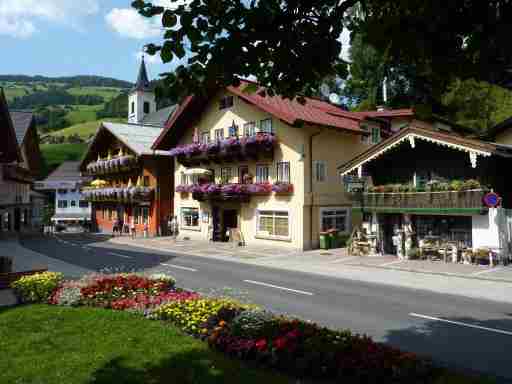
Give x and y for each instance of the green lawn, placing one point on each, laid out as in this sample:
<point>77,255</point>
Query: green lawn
<point>44,344</point>
<point>83,113</point>
<point>107,92</point>
<point>11,93</point>
<point>84,130</point>
<point>55,154</point>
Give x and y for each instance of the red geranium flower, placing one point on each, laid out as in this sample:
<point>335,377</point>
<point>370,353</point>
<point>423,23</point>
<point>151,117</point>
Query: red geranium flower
<point>280,343</point>
<point>261,345</point>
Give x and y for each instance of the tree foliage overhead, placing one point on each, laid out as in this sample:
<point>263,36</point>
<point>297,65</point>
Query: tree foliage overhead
<point>292,45</point>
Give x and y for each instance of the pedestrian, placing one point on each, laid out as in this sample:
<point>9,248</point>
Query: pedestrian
<point>169,225</point>
<point>145,229</point>
<point>133,230</point>
<point>174,227</point>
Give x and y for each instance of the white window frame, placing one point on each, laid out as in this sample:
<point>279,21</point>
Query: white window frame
<point>219,134</point>
<point>271,125</point>
<point>347,217</point>
<point>317,177</point>
<point>283,172</point>
<point>260,234</point>
<point>258,178</point>
<point>182,221</point>
<point>64,204</point>
<point>205,137</point>
<point>250,129</point>
<point>226,175</point>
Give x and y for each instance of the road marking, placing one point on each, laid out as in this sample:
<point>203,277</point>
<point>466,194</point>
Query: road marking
<point>508,333</point>
<point>345,259</point>
<point>179,267</point>
<point>119,255</point>
<point>278,287</point>
<point>487,271</point>
<point>393,262</point>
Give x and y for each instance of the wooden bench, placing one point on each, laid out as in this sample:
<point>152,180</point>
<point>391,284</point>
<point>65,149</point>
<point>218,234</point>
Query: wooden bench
<point>7,278</point>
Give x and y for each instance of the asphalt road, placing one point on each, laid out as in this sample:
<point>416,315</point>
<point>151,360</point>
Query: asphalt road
<point>461,332</point>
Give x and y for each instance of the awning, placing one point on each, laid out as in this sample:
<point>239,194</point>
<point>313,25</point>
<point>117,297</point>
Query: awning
<point>197,171</point>
<point>70,217</point>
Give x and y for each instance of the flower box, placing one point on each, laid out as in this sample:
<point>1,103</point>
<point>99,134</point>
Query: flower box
<point>283,188</point>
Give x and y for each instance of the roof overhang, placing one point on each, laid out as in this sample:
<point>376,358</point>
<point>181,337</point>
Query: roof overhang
<point>420,131</point>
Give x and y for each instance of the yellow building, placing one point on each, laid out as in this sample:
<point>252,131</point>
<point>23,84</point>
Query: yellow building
<point>264,166</point>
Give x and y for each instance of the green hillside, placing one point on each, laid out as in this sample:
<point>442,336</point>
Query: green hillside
<point>55,154</point>
<point>108,93</point>
<point>84,130</point>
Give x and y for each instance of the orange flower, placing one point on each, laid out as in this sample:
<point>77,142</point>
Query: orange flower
<point>222,323</point>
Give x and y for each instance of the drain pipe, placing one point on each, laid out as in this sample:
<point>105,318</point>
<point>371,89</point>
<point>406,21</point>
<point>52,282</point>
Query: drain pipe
<point>311,185</point>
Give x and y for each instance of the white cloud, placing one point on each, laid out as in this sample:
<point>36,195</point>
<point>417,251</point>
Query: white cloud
<point>19,18</point>
<point>155,59</point>
<point>128,23</point>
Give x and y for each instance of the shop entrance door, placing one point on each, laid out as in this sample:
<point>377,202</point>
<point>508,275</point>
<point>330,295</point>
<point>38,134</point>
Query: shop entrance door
<point>230,220</point>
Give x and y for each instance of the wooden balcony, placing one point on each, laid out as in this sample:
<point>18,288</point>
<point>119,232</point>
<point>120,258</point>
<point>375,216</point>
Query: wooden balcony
<point>119,194</point>
<point>446,202</point>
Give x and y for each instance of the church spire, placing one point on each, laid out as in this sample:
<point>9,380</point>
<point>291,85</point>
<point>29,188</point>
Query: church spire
<point>142,80</point>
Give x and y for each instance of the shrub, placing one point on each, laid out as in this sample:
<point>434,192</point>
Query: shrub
<point>36,288</point>
<point>192,315</point>
<point>456,185</point>
<point>66,296</point>
<point>252,323</point>
<point>470,184</point>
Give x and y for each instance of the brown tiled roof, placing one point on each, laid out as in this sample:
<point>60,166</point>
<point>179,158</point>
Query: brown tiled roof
<point>424,130</point>
<point>406,112</point>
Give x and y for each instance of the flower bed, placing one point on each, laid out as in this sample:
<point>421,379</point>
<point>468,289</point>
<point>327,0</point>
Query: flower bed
<point>117,164</point>
<point>261,142</point>
<point>209,190</point>
<point>118,194</point>
<point>300,348</point>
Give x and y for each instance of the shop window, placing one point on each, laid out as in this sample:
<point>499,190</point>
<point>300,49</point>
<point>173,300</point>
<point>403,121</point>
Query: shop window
<point>136,215</point>
<point>273,223</point>
<point>262,173</point>
<point>62,204</point>
<point>205,137</point>
<point>226,102</point>
<point>145,215</point>
<point>266,126</point>
<point>225,175</point>
<point>83,204</point>
<point>283,172</point>
<point>73,203</point>
<point>334,218</point>
<point>250,129</point>
<point>320,171</point>
<point>219,134</point>
<point>190,217</point>
<point>184,179</point>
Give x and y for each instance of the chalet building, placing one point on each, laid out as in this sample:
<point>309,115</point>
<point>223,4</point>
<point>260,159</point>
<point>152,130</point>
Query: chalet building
<point>63,186</point>
<point>21,160</point>
<point>131,182</point>
<point>263,170</point>
<point>428,184</point>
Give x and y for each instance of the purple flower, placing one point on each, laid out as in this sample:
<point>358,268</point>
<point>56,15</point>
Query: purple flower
<point>259,188</point>
<point>213,147</point>
<point>282,188</point>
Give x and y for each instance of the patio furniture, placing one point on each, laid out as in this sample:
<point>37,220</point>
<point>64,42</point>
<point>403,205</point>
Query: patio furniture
<point>447,250</point>
<point>429,248</point>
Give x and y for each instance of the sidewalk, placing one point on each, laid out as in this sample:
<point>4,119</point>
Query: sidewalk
<point>472,281</point>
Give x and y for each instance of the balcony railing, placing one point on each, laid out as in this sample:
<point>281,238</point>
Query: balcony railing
<point>14,172</point>
<point>119,194</point>
<point>226,150</point>
<point>240,192</point>
<point>443,200</point>
<point>116,165</point>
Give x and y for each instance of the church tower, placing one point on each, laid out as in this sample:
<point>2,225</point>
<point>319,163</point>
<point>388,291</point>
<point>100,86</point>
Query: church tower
<point>141,100</point>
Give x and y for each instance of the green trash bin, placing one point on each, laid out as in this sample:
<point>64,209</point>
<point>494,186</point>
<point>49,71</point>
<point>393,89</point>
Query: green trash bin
<point>333,239</point>
<point>324,240</point>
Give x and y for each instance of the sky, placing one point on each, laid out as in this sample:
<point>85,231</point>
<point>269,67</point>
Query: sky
<point>77,37</point>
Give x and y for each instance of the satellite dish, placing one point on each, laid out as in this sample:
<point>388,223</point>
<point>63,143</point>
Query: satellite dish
<point>325,90</point>
<point>334,99</point>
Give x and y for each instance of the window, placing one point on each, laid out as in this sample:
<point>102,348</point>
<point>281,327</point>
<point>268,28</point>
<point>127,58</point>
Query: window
<point>320,171</point>
<point>83,204</point>
<point>283,172</point>
<point>110,214</point>
<point>145,215</point>
<point>225,175</point>
<point>205,137</point>
<point>184,179</point>
<point>242,172</point>
<point>250,129</point>
<point>219,134</point>
<point>133,107</point>
<point>226,102</point>
<point>365,139</point>
<point>266,126</point>
<point>375,135</point>
<point>146,107</point>
<point>145,181</point>
<point>73,203</point>
<point>233,130</point>
<point>62,204</point>
<point>334,218</point>
<point>190,217</point>
<point>262,173</point>
<point>273,223</point>
<point>136,215</point>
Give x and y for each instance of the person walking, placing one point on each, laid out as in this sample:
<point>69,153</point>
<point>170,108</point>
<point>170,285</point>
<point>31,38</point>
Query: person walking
<point>133,230</point>
<point>146,229</point>
<point>174,227</point>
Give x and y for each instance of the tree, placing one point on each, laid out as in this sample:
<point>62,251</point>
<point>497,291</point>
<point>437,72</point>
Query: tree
<point>292,45</point>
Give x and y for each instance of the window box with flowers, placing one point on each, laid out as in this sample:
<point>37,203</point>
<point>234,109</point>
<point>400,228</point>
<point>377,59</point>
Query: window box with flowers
<point>282,188</point>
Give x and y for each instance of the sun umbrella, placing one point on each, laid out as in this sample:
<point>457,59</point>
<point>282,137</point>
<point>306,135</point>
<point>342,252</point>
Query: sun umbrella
<point>197,171</point>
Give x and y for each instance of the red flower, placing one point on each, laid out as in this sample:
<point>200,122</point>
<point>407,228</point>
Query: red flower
<point>280,343</point>
<point>261,345</point>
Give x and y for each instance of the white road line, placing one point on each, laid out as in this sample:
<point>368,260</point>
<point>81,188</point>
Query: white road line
<point>508,333</point>
<point>393,262</point>
<point>179,267</point>
<point>487,271</point>
<point>345,259</point>
<point>119,255</point>
<point>278,287</point>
